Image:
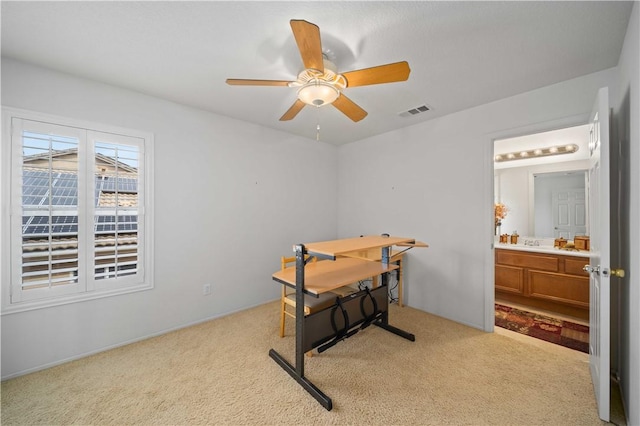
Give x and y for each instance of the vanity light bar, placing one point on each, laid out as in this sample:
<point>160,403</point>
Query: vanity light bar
<point>538,152</point>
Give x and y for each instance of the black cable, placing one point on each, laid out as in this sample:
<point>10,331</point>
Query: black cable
<point>362,284</point>
<point>391,298</point>
<point>368,319</point>
<point>340,334</point>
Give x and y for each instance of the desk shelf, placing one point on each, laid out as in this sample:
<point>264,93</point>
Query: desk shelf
<point>324,276</point>
<point>349,245</point>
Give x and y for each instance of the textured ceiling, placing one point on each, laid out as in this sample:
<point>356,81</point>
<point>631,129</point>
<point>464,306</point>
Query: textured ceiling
<point>461,54</point>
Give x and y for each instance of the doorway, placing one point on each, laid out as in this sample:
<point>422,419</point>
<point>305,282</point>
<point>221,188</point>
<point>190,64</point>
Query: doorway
<point>540,181</point>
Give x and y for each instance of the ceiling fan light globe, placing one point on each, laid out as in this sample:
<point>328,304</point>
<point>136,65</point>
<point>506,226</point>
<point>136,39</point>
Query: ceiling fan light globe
<point>318,93</point>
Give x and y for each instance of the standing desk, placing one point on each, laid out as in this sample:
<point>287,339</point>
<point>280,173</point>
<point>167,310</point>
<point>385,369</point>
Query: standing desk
<point>349,314</point>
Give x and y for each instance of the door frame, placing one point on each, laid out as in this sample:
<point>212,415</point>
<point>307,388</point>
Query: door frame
<point>489,275</point>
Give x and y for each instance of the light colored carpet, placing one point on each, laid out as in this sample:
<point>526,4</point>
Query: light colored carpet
<point>219,372</point>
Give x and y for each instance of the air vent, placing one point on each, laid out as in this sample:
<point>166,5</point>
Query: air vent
<point>414,111</point>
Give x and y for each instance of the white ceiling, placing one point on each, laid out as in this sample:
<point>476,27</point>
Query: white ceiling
<point>461,54</point>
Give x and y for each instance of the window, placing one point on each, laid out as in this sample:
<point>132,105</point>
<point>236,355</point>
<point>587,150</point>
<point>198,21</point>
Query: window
<point>80,218</point>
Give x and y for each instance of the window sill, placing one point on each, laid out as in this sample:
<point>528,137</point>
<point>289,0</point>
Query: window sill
<point>59,301</point>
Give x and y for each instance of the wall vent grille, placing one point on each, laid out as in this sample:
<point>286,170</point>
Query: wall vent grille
<point>414,111</point>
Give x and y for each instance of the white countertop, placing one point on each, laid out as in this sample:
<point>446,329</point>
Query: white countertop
<point>542,249</point>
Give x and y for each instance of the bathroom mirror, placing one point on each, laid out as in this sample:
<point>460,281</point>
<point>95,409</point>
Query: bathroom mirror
<point>528,193</point>
<point>560,204</point>
<point>528,186</point>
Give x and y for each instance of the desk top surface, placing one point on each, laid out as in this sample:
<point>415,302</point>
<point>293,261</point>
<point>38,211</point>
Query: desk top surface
<point>374,254</point>
<point>348,245</point>
<point>326,275</point>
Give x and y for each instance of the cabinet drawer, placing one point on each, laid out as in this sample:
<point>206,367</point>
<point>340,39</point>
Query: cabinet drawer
<point>509,279</point>
<point>540,262</point>
<point>559,288</point>
<point>574,266</point>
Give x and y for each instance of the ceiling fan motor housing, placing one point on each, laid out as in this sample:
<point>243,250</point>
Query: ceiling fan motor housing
<point>320,88</point>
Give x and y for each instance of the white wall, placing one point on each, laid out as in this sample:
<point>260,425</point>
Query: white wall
<point>227,197</point>
<point>626,252</point>
<point>513,191</point>
<point>434,181</point>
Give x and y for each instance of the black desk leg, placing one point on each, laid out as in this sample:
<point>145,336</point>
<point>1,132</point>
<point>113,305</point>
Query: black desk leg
<point>384,321</point>
<point>297,372</point>
<point>300,263</point>
<point>323,399</point>
<point>396,330</point>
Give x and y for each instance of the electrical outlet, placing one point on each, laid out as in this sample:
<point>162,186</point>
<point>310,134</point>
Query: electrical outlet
<point>206,289</point>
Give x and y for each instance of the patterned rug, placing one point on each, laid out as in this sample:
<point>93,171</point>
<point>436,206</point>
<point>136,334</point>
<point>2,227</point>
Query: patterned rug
<point>563,333</point>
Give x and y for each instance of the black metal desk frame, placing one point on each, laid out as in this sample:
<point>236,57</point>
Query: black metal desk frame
<point>382,320</point>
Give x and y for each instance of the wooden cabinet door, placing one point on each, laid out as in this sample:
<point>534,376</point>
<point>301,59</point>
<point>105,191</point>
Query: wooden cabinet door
<point>510,279</point>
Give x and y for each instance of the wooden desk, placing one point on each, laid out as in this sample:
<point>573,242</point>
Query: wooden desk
<point>322,277</point>
<point>349,314</point>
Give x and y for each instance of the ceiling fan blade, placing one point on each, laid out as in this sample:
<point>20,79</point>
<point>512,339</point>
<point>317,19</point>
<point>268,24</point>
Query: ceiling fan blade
<point>293,111</point>
<point>349,108</point>
<point>389,73</point>
<point>242,82</point>
<point>307,37</point>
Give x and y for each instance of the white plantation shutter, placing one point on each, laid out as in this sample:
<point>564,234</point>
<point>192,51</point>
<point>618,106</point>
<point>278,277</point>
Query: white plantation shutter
<point>45,215</point>
<point>79,215</point>
<point>116,230</point>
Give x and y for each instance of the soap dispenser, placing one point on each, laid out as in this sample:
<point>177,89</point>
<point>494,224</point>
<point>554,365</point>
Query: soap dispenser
<point>514,237</point>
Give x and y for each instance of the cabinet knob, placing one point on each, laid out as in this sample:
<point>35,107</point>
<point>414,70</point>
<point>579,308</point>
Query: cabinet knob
<point>591,269</point>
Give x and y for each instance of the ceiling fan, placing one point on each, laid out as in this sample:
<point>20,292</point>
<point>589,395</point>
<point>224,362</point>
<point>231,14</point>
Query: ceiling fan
<point>320,84</point>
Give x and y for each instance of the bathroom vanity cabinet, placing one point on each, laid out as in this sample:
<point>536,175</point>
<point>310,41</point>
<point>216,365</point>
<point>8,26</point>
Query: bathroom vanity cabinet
<point>551,280</point>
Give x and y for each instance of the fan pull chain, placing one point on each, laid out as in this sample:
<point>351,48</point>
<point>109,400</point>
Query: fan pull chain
<point>318,124</point>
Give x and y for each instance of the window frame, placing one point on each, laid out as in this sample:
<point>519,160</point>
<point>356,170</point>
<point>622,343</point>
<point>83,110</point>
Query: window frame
<point>11,215</point>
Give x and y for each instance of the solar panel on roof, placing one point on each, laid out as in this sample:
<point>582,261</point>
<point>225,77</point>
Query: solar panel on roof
<point>64,224</point>
<point>105,227</point>
<point>37,220</point>
<point>121,223</point>
<point>36,230</point>
<point>130,224</point>
<point>35,187</point>
<point>105,219</point>
<point>119,184</point>
<point>64,229</point>
<point>56,225</point>
<point>44,188</point>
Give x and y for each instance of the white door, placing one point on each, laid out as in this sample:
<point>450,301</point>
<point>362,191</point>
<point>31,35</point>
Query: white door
<point>569,213</point>
<point>598,267</point>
